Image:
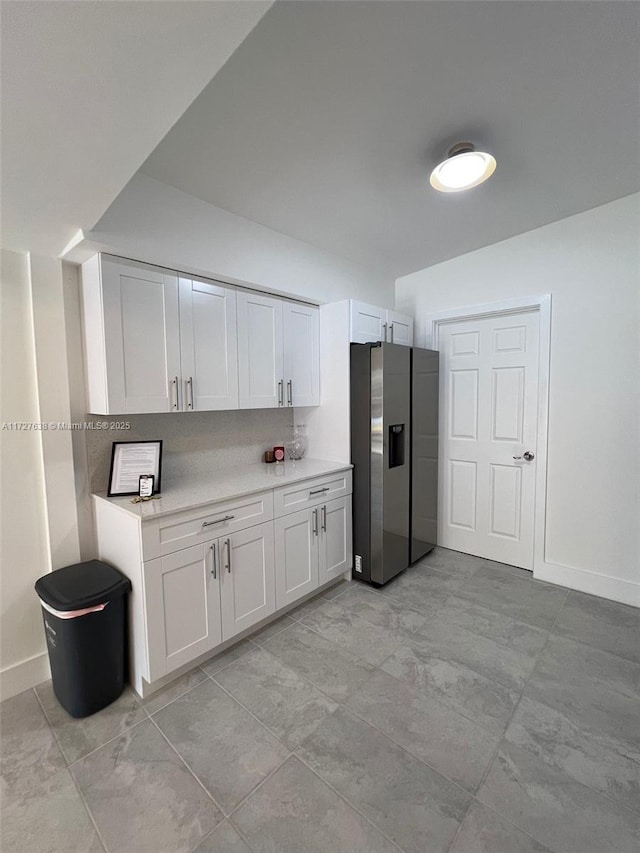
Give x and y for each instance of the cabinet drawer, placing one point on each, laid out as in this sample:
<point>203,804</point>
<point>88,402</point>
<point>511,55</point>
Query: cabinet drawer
<point>311,493</point>
<point>181,530</point>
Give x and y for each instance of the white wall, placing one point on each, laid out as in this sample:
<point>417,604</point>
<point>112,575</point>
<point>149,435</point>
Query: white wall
<point>152,222</point>
<point>590,263</point>
<point>24,546</point>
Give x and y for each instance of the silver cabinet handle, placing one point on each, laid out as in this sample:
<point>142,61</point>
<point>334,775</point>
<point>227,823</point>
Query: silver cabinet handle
<point>290,392</point>
<point>391,327</point>
<point>323,512</point>
<point>227,542</point>
<point>217,521</point>
<point>528,456</point>
<point>281,392</point>
<point>319,491</point>
<point>213,561</point>
<point>190,394</point>
<point>315,521</point>
<point>173,392</point>
<point>384,332</point>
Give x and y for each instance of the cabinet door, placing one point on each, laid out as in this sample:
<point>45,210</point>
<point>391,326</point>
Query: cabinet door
<point>296,555</point>
<point>400,328</point>
<point>247,578</point>
<point>368,323</point>
<point>208,346</point>
<point>301,333</point>
<point>335,539</point>
<point>260,369</point>
<point>182,602</point>
<point>142,337</point>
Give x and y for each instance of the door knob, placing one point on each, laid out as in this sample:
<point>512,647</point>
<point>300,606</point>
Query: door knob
<point>527,456</point>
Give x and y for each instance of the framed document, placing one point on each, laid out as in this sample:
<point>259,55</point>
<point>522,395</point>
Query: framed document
<point>129,461</point>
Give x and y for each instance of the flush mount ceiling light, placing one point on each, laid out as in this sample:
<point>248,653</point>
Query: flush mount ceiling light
<point>464,168</point>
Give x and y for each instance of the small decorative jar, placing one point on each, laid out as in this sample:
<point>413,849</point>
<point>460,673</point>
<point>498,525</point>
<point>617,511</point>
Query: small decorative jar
<point>297,443</point>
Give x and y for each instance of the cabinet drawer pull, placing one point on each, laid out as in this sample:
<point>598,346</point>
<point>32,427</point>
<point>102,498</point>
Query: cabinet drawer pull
<point>384,332</point>
<point>290,392</point>
<point>190,395</point>
<point>281,392</point>
<point>323,515</point>
<point>319,491</point>
<point>315,521</point>
<point>217,521</point>
<point>227,542</point>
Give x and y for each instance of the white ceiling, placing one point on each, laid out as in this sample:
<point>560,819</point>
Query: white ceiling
<point>88,90</point>
<point>327,120</point>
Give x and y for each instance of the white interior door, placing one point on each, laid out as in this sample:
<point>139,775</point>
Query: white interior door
<point>209,346</point>
<point>260,346</point>
<point>301,330</point>
<point>488,421</point>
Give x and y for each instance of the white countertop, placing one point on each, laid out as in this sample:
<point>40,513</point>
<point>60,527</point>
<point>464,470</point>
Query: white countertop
<point>224,484</point>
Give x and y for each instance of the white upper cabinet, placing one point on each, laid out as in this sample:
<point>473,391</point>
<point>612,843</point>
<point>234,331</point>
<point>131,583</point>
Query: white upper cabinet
<point>367,323</point>
<point>370,323</point>
<point>132,337</point>
<point>278,352</point>
<point>399,329</point>
<point>301,361</point>
<point>156,341</point>
<point>208,345</point>
<point>260,351</point>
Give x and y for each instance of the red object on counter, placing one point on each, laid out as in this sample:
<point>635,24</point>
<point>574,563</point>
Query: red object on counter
<point>278,452</point>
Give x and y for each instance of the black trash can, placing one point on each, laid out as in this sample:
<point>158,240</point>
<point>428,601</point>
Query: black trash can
<point>84,608</point>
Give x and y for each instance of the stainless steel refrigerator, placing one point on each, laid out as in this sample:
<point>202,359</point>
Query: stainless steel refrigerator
<point>394,451</point>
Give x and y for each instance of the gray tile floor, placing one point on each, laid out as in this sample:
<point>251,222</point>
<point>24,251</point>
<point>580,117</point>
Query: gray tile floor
<point>462,708</point>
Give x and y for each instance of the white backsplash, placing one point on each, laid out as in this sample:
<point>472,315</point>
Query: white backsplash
<point>193,442</point>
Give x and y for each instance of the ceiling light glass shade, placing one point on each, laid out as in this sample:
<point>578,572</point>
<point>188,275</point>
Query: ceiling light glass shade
<point>464,168</point>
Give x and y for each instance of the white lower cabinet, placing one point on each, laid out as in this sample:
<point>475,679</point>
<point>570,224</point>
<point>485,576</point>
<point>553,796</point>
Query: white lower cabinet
<point>247,578</point>
<point>296,555</point>
<point>335,539</point>
<point>182,596</point>
<point>198,597</point>
<point>200,577</point>
<point>313,546</point>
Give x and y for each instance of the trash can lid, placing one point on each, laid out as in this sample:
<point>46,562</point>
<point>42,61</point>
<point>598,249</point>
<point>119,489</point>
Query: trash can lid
<point>82,585</point>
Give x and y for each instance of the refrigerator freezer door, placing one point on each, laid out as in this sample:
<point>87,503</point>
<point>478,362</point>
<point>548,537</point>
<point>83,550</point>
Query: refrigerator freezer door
<point>390,466</point>
<point>424,462</point>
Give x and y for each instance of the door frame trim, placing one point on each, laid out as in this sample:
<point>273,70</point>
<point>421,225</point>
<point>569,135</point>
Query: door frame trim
<point>516,305</point>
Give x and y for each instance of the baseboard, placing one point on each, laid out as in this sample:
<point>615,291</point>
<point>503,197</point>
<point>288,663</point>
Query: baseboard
<point>23,675</point>
<point>615,589</point>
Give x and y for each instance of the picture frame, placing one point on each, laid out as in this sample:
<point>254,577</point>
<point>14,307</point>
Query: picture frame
<point>130,459</point>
